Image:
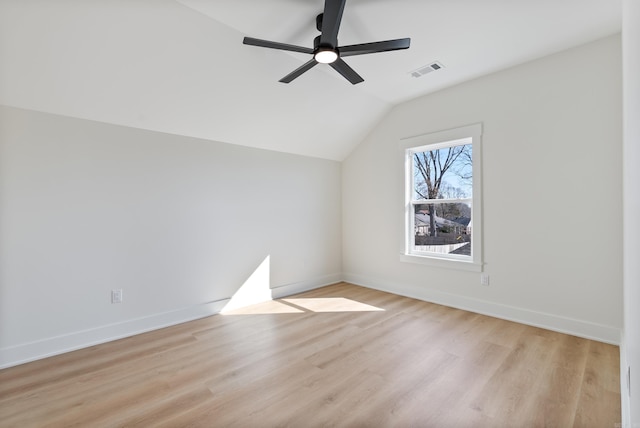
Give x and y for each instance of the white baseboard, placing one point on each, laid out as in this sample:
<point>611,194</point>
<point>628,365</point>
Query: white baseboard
<point>625,405</point>
<point>580,328</point>
<point>302,286</point>
<point>24,353</point>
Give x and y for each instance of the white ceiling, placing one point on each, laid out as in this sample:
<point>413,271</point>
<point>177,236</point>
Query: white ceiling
<point>180,66</point>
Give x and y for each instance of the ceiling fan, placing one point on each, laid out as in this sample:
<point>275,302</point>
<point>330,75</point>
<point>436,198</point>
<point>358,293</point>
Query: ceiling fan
<point>325,46</point>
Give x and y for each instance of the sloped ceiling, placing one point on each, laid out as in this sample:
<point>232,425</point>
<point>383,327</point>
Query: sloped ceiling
<point>180,66</point>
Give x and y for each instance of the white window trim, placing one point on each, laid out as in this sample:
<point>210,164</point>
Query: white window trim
<point>474,132</point>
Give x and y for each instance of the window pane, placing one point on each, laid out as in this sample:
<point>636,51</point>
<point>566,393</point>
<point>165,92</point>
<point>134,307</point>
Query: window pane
<point>446,232</point>
<point>444,173</point>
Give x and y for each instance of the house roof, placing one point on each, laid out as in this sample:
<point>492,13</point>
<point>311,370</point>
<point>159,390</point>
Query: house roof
<point>423,219</point>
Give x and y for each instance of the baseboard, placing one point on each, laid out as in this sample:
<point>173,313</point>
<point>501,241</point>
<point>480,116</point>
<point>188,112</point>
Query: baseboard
<point>24,353</point>
<point>302,286</point>
<point>625,405</point>
<point>580,328</point>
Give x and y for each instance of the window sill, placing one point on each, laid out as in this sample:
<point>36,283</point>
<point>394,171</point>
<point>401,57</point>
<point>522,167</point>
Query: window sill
<point>442,263</point>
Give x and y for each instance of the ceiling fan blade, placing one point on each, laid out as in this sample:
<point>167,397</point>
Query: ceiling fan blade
<point>347,72</point>
<point>298,71</point>
<point>331,18</point>
<point>369,48</point>
<point>275,45</point>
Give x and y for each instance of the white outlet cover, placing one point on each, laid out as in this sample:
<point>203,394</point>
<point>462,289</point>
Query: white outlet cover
<point>484,279</point>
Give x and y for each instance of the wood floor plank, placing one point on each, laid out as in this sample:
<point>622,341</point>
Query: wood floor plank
<point>599,395</point>
<point>340,355</point>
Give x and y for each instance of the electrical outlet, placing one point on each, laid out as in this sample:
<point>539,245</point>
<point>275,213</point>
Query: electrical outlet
<point>116,296</point>
<point>484,279</point>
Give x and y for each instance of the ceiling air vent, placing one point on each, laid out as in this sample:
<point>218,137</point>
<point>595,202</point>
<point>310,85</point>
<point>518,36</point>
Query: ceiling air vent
<point>434,66</point>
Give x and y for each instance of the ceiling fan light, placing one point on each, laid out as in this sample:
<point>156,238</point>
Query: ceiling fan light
<point>326,56</point>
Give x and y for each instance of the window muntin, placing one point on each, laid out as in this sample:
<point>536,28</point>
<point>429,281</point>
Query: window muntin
<point>442,176</point>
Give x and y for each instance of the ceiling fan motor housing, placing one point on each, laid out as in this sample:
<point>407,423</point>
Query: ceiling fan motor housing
<point>317,45</point>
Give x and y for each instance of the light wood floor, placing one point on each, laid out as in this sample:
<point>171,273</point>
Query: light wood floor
<point>337,356</point>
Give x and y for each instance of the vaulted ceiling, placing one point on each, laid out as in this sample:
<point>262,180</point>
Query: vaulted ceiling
<point>179,66</point>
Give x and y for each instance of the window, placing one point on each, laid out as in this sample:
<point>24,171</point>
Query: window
<point>442,198</point>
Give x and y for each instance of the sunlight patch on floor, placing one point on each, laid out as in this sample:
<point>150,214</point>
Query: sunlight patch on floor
<point>271,307</point>
<point>331,304</point>
<point>302,305</point>
<point>256,297</point>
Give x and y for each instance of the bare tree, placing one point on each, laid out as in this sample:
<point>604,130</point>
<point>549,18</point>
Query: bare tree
<point>432,166</point>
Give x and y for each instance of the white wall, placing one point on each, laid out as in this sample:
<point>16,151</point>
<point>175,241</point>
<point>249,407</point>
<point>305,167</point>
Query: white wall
<point>552,194</point>
<point>178,223</point>
<point>630,349</point>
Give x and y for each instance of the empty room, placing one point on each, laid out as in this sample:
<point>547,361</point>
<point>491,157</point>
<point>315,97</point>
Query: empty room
<point>350,213</point>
